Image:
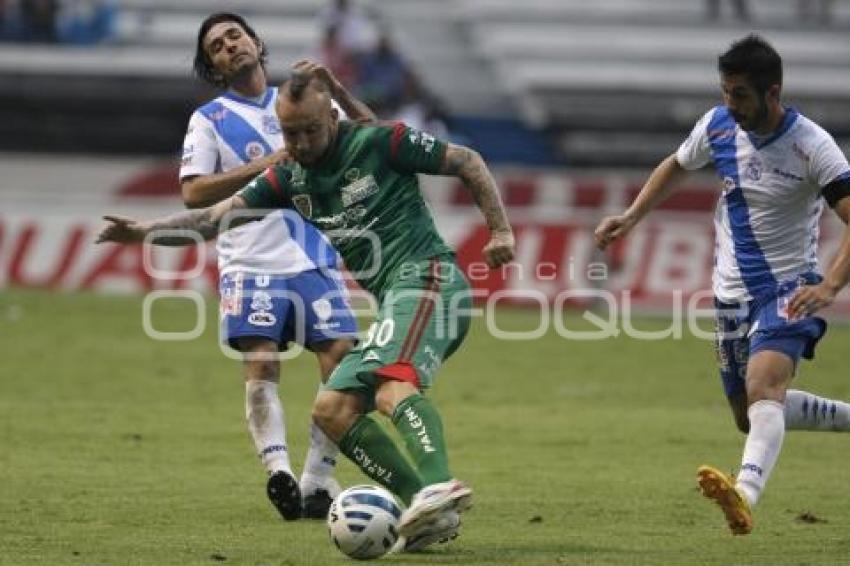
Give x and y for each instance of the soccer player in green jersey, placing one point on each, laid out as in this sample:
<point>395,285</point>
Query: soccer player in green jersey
<point>358,184</point>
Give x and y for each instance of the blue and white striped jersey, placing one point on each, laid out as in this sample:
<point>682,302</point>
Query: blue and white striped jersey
<point>766,220</point>
<point>231,131</point>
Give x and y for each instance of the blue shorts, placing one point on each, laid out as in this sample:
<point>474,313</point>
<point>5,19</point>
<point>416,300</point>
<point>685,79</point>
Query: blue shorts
<point>306,308</point>
<point>744,329</point>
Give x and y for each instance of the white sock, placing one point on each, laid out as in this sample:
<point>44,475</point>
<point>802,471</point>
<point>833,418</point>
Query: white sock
<point>320,463</point>
<point>804,411</point>
<point>264,414</point>
<point>767,429</point>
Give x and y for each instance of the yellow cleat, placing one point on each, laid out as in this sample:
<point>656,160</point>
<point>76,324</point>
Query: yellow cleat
<point>721,488</point>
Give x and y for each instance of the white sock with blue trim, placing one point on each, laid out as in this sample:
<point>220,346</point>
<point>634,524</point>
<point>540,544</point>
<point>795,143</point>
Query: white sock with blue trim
<point>767,430</point>
<point>320,464</point>
<point>265,417</point>
<point>805,411</point>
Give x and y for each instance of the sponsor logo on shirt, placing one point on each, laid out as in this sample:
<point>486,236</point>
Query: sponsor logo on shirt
<point>787,175</point>
<point>721,133</point>
<point>424,139</point>
<point>271,126</point>
<point>344,219</point>
<point>359,190</point>
<point>188,151</point>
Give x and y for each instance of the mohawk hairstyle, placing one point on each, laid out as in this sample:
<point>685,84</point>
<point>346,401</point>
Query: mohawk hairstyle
<point>298,82</point>
<point>297,85</point>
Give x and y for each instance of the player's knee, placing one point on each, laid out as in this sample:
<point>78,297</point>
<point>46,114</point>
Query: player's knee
<point>330,354</point>
<point>260,359</point>
<point>334,412</point>
<point>390,393</point>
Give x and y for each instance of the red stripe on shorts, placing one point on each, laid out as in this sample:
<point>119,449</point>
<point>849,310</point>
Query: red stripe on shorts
<point>423,314</point>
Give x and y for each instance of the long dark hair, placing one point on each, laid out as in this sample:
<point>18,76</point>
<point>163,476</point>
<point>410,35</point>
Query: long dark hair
<point>204,69</point>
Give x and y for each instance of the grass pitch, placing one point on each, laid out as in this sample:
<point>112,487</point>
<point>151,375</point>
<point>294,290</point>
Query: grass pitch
<point>117,449</point>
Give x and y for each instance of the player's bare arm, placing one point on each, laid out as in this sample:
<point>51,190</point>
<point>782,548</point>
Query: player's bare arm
<point>356,110</point>
<point>205,190</point>
<point>809,299</point>
<point>654,191</point>
<point>178,229</point>
<point>470,168</point>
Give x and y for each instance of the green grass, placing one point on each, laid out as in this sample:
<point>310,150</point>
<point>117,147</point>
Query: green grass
<point>116,449</point>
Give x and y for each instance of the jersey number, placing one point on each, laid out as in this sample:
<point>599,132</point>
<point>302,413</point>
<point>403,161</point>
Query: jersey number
<point>380,333</point>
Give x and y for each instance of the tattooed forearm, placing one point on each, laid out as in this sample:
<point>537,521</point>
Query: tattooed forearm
<point>180,229</point>
<point>468,165</point>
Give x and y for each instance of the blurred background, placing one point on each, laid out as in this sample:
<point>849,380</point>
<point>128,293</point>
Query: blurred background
<point>572,103</point>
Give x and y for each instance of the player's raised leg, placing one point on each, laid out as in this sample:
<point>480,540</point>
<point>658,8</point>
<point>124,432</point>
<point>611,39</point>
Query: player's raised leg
<point>768,374</point>
<point>426,319</point>
<point>807,411</point>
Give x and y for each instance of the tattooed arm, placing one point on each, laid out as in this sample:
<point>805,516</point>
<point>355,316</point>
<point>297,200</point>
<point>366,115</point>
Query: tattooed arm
<point>467,165</point>
<point>178,229</point>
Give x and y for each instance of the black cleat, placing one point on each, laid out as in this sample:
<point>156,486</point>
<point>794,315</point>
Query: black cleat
<point>316,504</point>
<point>285,495</point>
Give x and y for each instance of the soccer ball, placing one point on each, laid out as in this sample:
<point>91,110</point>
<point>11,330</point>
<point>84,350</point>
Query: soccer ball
<point>363,521</point>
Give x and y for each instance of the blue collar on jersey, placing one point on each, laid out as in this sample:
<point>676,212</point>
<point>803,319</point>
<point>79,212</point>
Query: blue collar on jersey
<point>242,100</point>
<point>787,121</point>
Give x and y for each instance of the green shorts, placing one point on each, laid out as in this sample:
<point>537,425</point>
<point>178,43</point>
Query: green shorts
<point>421,321</point>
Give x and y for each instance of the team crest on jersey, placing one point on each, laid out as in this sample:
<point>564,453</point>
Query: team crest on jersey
<point>254,150</point>
<point>303,204</point>
<point>754,168</point>
<point>271,126</point>
<point>359,190</point>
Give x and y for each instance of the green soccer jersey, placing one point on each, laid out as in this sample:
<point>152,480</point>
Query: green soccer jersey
<point>365,197</point>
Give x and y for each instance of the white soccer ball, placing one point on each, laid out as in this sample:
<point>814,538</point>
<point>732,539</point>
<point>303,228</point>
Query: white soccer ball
<point>363,521</point>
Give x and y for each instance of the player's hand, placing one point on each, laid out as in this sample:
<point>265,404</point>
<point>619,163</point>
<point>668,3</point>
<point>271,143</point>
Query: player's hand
<point>279,157</point>
<point>318,71</point>
<point>121,230</point>
<point>500,250</point>
<point>809,299</point>
<point>612,228</point>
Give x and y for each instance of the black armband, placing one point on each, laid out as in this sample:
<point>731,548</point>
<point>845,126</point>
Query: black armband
<point>836,190</point>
